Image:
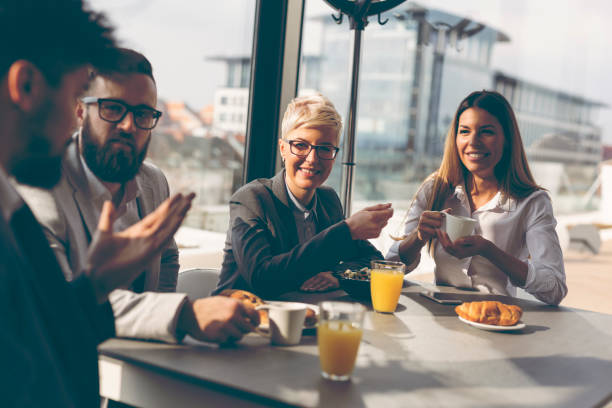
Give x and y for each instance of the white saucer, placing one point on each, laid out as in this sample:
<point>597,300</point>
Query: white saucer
<point>492,327</point>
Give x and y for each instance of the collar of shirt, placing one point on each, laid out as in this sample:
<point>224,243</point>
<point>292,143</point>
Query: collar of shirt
<point>298,206</point>
<point>10,200</point>
<point>500,201</point>
<point>99,192</point>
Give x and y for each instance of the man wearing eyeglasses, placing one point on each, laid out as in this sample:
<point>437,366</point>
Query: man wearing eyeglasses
<point>106,162</point>
<point>288,232</point>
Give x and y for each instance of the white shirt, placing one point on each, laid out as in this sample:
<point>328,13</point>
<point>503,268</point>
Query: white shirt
<point>10,200</point>
<point>524,229</point>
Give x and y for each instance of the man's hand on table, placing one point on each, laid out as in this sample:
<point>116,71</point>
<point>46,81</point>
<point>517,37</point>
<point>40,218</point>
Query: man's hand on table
<point>115,259</point>
<point>320,282</point>
<point>217,319</point>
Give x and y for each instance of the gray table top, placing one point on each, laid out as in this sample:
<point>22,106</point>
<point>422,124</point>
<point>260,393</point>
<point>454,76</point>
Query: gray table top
<point>422,355</point>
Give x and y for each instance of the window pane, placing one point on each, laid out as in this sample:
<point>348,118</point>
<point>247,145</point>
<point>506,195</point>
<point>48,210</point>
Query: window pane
<point>200,52</point>
<point>555,78</point>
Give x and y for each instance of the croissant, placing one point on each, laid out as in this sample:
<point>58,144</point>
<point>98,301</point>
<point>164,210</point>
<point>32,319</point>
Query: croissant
<point>248,299</point>
<point>490,312</point>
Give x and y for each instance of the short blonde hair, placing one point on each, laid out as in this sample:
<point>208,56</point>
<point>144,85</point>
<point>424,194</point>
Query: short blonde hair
<point>311,111</point>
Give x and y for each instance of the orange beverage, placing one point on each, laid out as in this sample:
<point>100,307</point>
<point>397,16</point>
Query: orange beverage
<point>385,287</point>
<point>338,344</point>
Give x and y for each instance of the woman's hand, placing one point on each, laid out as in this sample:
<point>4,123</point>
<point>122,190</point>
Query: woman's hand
<point>320,282</point>
<point>369,222</point>
<point>466,246</point>
<point>477,245</point>
<point>429,222</point>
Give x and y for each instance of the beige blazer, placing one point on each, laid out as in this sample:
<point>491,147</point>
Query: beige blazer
<point>70,220</point>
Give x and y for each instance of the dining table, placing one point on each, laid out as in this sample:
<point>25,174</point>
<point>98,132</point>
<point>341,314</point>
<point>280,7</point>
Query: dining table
<point>422,355</point>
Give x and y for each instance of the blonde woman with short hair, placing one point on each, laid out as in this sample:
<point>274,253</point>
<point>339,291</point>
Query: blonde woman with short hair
<point>484,175</point>
<point>288,232</point>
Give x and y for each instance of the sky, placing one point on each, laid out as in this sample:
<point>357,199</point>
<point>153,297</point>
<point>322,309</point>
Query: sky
<point>178,36</point>
<point>562,44</point>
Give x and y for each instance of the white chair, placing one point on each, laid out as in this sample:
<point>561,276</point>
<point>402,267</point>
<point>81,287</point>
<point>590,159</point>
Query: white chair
<point>197,283</point>
<point>585,237</point>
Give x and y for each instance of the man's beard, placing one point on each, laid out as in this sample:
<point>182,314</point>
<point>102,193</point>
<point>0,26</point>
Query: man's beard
<point>39,165</point>
<point>108,164</point>
<point>38,170</point>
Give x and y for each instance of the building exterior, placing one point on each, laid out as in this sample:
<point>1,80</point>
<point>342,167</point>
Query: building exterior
<point>232,101</point>
<point>555,126</point>
<point>196,157</point>
<point>561,138</point>
<point>414,71</point>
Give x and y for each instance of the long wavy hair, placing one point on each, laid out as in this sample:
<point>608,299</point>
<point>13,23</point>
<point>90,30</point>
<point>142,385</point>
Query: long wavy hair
<point>512,171</point>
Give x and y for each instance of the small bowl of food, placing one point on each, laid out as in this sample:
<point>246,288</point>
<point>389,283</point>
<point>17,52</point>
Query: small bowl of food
<point>355,282</point>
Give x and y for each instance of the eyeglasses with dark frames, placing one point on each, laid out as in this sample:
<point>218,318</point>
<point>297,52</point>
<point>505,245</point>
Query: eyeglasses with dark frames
<point>115,110</point>
<point>301,148</point>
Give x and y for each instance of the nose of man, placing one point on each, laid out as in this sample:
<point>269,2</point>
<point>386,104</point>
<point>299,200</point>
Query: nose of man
<point>127,124</point>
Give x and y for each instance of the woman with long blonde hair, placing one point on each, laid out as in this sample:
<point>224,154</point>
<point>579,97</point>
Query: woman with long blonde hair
<point>484,175</point>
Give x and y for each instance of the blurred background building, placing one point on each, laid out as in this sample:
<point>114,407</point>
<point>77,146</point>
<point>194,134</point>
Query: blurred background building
<point>414,71</point>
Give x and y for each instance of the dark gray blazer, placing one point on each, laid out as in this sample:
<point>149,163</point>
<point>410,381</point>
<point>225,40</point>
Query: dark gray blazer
<point>49,328</point>
<point>262,253</point>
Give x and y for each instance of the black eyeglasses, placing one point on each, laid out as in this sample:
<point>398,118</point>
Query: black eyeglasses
<point>114,111</point>
<point>302,149</point>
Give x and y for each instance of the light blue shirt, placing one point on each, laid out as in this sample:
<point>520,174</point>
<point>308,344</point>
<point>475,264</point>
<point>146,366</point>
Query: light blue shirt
<point>305,218</point>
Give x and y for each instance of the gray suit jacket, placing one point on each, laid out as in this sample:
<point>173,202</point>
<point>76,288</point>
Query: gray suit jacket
<point>262,253</point>
<point>70,220</point>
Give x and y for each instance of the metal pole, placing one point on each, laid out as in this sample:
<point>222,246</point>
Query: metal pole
<point>349,138</point>
<point>433,138</point>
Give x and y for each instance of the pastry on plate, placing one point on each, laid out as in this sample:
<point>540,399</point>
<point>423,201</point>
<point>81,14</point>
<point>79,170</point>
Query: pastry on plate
<point>249,299</point>
<point>490,312</point>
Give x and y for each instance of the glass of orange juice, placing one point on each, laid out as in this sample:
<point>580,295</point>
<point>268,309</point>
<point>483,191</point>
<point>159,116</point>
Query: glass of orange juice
<point>339,335</point>
<point>386,279</point>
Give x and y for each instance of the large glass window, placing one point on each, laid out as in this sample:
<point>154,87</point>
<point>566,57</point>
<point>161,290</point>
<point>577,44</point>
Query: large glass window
<point>556,77</point>
<point>200,52</point>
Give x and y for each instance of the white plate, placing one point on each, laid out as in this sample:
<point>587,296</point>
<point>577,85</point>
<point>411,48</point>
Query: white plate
<point>492,327</point>
<point>308,305</point>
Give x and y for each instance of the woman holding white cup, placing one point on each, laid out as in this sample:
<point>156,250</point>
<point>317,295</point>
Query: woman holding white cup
<point>484,176</point>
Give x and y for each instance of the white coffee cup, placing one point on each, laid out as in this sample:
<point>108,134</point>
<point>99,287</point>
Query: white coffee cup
<point>457,226</point>
<point>286,321</point>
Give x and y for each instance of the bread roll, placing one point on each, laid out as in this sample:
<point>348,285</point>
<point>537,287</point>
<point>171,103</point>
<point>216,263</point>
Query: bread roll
<point>490,312</point>
<point>249,299</point>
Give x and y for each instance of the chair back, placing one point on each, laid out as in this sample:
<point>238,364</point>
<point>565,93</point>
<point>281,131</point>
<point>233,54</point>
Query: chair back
<point>197,283</point>
<point>585,237</point>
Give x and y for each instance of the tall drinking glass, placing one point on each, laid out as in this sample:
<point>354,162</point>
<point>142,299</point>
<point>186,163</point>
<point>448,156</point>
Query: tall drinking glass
<point>339,335</point>
<point>386,279</point>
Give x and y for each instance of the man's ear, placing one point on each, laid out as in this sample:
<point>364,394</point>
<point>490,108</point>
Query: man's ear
<point>80,112</point>
<point>26,85</point>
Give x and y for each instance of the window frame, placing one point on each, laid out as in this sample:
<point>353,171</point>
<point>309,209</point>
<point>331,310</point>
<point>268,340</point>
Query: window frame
<point>274,80</point>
